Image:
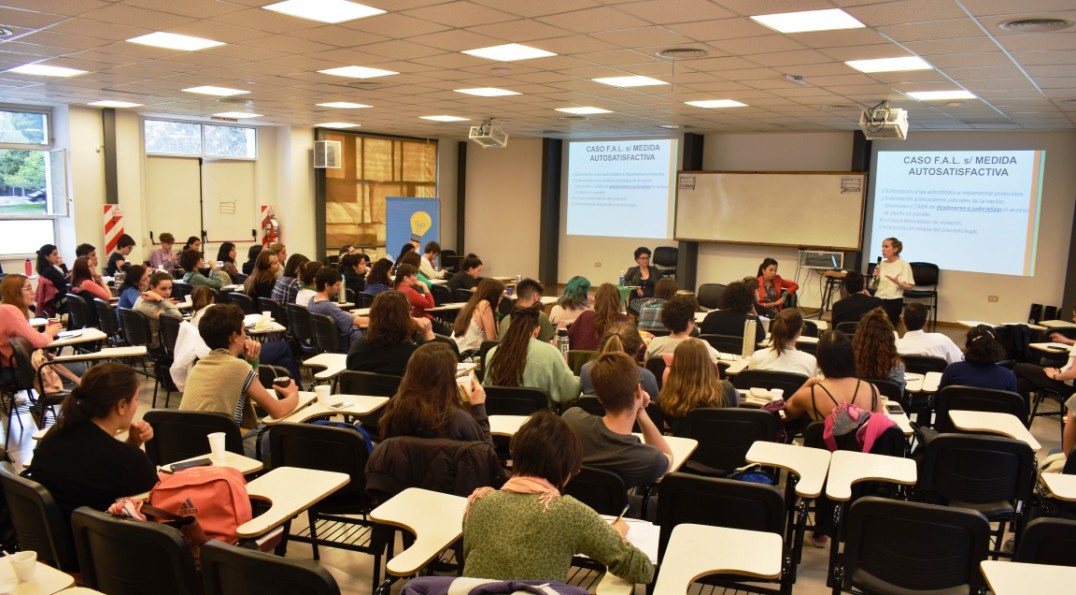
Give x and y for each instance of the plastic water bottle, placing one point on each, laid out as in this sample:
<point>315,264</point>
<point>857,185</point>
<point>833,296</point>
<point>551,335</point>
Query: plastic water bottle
<point>562,342</point>
<point>29,268</point>
<point>621,282</point>
<point>748,346</point>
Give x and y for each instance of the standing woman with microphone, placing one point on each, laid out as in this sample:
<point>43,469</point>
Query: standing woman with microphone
<point>892,275</point>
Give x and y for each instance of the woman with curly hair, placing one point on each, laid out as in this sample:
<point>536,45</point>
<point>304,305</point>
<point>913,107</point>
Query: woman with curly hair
<point>476,322</point>
<point>737,303</point>
<point>377,280</point>
<point>875,345</point>
<point>522,360</point>
<point>575,301</point>
<point>678,315</point>
<point>694,381</point>
<point>587,330</point>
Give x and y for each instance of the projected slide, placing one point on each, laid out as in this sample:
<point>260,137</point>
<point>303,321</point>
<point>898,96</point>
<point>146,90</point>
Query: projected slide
<point>620,188</point>
<point>972,211</point>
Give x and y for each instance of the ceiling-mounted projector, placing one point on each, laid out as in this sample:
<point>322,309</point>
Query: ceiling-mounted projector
<point>882,122</point>
<point>488,135</point>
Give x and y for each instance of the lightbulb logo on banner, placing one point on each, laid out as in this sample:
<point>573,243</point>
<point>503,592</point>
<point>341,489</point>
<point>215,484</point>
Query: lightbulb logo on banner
<point>414,220</point>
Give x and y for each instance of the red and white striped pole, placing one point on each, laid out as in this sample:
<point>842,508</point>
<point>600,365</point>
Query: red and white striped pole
<point>113,227</point>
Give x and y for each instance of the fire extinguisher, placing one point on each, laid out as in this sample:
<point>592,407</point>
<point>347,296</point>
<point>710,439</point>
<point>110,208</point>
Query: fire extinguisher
<point>270,229</point>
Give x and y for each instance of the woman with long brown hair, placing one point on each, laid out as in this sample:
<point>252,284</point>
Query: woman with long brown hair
<point>476,321</point>
<point>427,405</point>
<point>694,381</point>
<point>262,279</point>
<point>625,338</point>
<point>875,345</point>
<point>587,330</point>
<point>17,293</point>
<point>522,360</point>
<point>782,355</point>
<point>389,340</point>
<point>83,279</point>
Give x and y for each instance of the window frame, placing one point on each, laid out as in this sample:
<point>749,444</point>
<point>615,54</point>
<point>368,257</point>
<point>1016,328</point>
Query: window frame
<point>49,149</point>
<point>201,139</point>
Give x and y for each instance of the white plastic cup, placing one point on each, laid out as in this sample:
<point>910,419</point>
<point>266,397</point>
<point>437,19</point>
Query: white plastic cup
<point>188,298</point>
<point>24,564</point>
<point>777,394</point>
<point>321,393</point>
<point>216,445</point>
<point>266,314</point>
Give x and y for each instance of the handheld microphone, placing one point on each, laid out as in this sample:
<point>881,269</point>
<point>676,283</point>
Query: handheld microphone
<point>879,261</point>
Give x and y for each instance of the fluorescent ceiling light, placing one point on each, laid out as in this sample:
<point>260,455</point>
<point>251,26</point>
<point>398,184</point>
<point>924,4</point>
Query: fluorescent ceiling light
<point>583,111</point>
<point>940,95</point>
<point>509,52</point>
<point>809,20</point>
<point>175,41</point>
<point>487,92</point>
<point>236,115</point>
<point>337,125</point>
<point>890,64</point>
<point>343,105</point>
<point>46,70</point>
<point>110,103</point>
<point>630,81</point>
<point>358,72</point>
<point>219,91</point>
<point>444,118</point>
<point>325,11</point>
<point>716,103</point>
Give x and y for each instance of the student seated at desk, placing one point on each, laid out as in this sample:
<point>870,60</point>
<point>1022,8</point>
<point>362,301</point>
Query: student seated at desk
<point>226,379</point>
<point>782,355</point>
<point>418,295</point>
<point>476,321</point>
<point>50,266</point>
<point>642,276</point>
<point>136,287</point>
<point>429,257</point>
<point>226,258</point>
<point>160,284</point>
<point>608,442</point>
<point>650,311</point>
<point>329,284</point>
<point>737,302</point>
<point>192,262</point>
<point>252,257</point>
<point>980,366</point>
<point>308,274</point>
<point>377,280</point>
<point>529,295</point>
<point>17,292</point>
<point>428,402</point>
<point>353,268</point>
<point>839,382</point>
<point>288,285</point>
<point>858,302</point>
<point>85,278</point>
<point>678,315</point>
<point>918,342</point>
<point>876,349</point>
<point>574,301</point>
<point>527,530</point>
<point>773,293</point>
<point>588,329</point>
<point>162,258</point>
<point>694,381</point>
<point>117,261</point>
<point>79,461</point>
<point>522,360</point>
<point>468,276</point>
<point>262,279</point>
<point>621,338</point>
<point>1031,377</point>
<point>413,259</point>
<point>389,341</point>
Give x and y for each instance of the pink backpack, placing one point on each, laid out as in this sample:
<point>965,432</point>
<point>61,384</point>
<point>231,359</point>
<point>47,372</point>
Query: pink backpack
<point>216,496</point>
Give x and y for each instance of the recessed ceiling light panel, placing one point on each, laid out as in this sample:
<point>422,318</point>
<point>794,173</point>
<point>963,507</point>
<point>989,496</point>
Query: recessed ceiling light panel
<point>583,111</point>
<point>343,105</point>
<point>940,95</point>
<point>325,11</point>
<point>509,52</point>
<point>116,104</point>
<point>890,64</point>
<point>337,125</point>
<point>716,103</point>
<point>809,20</point>
<point>358,72</point>
<point>444,118</point>
<point>487,92</point>
<point>218,91</point>
<point>630,81</point>
<point>175,41</point>
<point>46,70</point>
<point>237,115</point>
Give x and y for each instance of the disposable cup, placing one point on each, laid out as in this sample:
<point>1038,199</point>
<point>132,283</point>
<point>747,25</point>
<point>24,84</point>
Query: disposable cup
<point>777,394</point>
<point>216,445</point>
<point>24,564</point>
<point>321,393</point>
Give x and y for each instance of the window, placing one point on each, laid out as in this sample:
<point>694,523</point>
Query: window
<point>33,186</point>
<point>165,137</point>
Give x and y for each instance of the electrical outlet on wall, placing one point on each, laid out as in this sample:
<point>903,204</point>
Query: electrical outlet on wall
<point>992,298</point>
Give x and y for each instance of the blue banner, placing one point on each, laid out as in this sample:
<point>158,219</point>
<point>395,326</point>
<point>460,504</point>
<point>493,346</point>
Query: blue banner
<point>415,220</point>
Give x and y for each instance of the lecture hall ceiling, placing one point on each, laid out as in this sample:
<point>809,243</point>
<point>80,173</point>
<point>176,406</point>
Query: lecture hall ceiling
<point>1021,81</point>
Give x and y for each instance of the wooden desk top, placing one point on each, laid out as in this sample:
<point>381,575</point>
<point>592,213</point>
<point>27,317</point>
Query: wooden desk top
<point>1004,424</point>
<point>1052,324</point>
<point>695,551</point>
<point>348,405</point>
<point>291,490</point>
<point>447,307</point>
<point>240,463</point>
<point>86,335</point>
<point>1017,578</point>
<point>42,322</point>
<point>333,365</point>
<point>1052,347</point>
<point>306,398</point>
<point>809,464</point>
<point>436,519</point>
<point>736,366</point>
<point>47,580</point>
<point>506,425</point>
<point>681,449</point>
<point>920,383</point>
<point>106,353</point>
<point>902,421</point>
<point>847,468</point>
<point>1063,487</point>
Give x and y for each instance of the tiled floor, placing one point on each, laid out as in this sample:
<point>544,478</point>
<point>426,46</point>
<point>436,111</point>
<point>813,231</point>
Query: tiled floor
<point>353,571</point>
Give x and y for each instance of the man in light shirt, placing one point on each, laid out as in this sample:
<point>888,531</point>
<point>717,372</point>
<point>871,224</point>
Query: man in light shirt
<point>426,266</point>
<point>918,342</point>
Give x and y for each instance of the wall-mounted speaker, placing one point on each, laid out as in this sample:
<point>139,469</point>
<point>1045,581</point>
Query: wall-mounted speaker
<point>326,154</point>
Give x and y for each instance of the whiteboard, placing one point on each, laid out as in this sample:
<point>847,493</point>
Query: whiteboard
<point>171,203</point>
<point>796,209</point>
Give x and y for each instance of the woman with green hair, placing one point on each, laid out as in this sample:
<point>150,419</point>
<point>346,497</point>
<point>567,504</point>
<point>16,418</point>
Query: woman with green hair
<point>575,301</point>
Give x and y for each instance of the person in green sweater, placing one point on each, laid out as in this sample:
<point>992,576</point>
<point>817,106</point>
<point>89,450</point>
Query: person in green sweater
<point>527,530</point>
<point>522,360</point>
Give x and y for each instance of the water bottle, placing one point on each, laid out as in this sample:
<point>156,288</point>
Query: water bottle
<point>341,296</point>
<point>749,331</point>
<point>562,342</point>
<point>29,267</point>
<point>621,282</point>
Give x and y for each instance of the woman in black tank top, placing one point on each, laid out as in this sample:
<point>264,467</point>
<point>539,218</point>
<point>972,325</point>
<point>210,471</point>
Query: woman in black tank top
<point>819,396</point>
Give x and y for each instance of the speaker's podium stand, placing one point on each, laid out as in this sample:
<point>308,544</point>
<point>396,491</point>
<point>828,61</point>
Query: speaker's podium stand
<point>827,265</point>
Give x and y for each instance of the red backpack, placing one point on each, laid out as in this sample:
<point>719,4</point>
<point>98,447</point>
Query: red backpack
<point>216,496</point>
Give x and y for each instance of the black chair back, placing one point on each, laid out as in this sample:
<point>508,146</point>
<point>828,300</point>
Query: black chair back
<point>275,309</point>
<point>39,524</point>
<point>441,294</point>
<point>483,354</point>
<point>921,364</point>
<point>725,435</point>
<point>301,328</point>
<point>724,343</point>
<point>977,470</point>
<point>326,336</point>
<point>242,300</point>
<point>903,547</point>
<point>129,557</point>
<point>924,273</point>
<point>450,342</point>
<point>599,489</point>
<point>135,327</point>
<point>106,317</point>
<point>181,289</point>
<point>227,569</point>
<point>179,435</point>
<point>1048,541</point>
<point>709,294</point>
<point>462,295</point>
<point>370,384</point>
<point>78,311</point>
<point>325,448</point>
<point>970,398</point>
<point>656,365</point>
<point>848,328</point>
<point>665,259</point>
<point>888,389</point>
<point>515,400</point>
<point>769,379</point>
<point>366,299</point>
<point>450,261</point>
<point>169,332</point>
